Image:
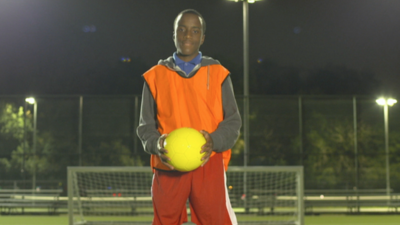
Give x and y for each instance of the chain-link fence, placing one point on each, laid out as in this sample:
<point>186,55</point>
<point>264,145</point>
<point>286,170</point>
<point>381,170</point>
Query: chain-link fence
<point>340,140</point>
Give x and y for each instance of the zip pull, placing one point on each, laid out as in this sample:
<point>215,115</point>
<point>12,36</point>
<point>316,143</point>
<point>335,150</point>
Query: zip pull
<point>208,77</point>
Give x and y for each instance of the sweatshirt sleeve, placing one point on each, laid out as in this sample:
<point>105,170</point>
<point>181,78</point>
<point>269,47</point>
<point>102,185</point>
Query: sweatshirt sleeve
<point>227,133</point>
<point>147,129</point>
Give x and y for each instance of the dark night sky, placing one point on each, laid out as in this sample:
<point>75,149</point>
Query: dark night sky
<point>48,38</point>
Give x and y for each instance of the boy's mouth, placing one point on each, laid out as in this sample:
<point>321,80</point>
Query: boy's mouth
<point>187,43</point>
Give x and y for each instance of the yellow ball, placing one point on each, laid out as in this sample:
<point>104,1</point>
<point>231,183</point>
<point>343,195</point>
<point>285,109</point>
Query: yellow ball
<point>184,146</point>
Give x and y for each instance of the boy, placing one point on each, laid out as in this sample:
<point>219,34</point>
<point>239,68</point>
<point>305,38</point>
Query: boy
<point>190,90</point>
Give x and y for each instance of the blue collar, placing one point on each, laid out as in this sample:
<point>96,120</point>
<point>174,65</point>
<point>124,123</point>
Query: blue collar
<point>187,66</point>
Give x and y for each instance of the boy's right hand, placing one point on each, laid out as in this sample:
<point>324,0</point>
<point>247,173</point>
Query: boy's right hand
<point>162,151</point>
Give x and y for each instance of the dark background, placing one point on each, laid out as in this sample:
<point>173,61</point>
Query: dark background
<point>301,46</point>
<point>82,60</point>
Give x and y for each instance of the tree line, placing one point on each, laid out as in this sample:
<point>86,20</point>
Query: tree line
<point>325,147</point>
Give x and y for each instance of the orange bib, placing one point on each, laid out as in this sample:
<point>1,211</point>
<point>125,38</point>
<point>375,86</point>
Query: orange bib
<point>187,102</point>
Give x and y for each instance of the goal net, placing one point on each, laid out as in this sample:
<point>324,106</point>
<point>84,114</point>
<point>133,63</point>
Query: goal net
<point>122,195</point>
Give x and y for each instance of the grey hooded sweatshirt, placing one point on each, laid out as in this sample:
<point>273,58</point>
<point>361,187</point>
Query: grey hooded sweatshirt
<point>224,137</point>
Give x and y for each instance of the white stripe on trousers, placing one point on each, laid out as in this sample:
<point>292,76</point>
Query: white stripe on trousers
<point>231,213</point>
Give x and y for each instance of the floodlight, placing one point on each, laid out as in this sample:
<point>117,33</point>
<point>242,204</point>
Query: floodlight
<point>30,100</point>
<point>249,1</point>
<point>391,101</point>
<point>384,101</point>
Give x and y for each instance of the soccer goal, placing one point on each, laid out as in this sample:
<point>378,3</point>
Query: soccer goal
<point>122,195</point>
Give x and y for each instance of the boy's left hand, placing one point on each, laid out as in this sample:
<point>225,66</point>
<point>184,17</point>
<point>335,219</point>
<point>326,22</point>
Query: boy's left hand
<point>207,147</point>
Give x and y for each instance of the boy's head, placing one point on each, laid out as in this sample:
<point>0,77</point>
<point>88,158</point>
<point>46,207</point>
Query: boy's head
<point>189,33</point>
<point>195,12</point>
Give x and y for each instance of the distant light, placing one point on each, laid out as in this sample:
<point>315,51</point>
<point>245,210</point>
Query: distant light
<point>86,29</point>
<point>125,59</point>
<point>321,196</point>
<point>30,100</point>
<point>260,60</point>
<point>89,28</point>
<point>389,101</point>
<point>297,30</point>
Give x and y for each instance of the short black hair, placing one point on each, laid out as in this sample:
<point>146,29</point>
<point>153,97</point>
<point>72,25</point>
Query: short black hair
<point>192,11</point>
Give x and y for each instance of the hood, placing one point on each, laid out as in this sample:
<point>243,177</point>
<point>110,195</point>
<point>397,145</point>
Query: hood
<point>170,63</point>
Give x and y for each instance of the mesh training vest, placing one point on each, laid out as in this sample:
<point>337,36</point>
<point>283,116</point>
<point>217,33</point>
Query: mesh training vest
<point>194,102</point>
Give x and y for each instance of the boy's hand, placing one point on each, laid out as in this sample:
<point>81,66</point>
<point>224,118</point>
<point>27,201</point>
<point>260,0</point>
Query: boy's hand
<point>207,147</point>
<point>162,151</point>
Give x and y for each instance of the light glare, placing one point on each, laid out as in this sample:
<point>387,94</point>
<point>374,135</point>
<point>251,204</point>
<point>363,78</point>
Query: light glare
<point>389,101</point>
<point>249,1</point>
<point>381,101</point>
<point>30,100</point>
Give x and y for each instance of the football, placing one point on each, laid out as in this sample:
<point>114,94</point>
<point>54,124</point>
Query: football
<point>184,146</point>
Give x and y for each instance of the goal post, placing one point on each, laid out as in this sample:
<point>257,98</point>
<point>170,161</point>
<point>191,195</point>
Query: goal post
<point>268,194</point>
<point>108,194</point>
<point>122,195</point>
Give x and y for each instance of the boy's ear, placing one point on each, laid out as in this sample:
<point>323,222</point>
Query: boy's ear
<point>202,39</point>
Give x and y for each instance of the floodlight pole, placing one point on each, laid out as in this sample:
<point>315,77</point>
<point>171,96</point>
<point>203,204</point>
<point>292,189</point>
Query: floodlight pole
<point>386,118</point>
<point>355,141</point>
<point>80,130</point>
<point>245,94</point>
<point>246,104</point>
<point>24,148</point>
<point>246,80</point>
<point>386,102</point>
<point>33,102</point>
<point>34,144</point>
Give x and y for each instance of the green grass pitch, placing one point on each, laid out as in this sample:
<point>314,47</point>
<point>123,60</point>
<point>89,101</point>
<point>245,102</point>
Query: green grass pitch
<point>309,220</point>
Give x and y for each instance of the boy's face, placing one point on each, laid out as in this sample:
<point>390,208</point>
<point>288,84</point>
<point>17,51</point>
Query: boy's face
<point>188,36</point>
